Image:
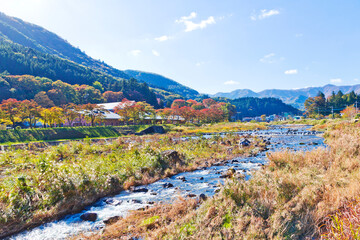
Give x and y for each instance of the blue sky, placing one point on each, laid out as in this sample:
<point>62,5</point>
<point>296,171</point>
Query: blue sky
<point>212,45</point>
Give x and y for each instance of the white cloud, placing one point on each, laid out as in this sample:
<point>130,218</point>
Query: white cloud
<point>185,18</point>
<point>356,79</point>
<point>191,26</point>
<point>135,53</point>
<point>231,82</point>
<point>269,58</point>
<point>163,38</point>
<point>336,80</point>
<point>298,35</point>
<point>264,14</point>
<point>291,71</point>
<point>156,53</point>
<point>198,64</point>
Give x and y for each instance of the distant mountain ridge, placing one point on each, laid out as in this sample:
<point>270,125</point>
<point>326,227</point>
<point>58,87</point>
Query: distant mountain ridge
<point>294,97</point>
<point>30,35</point>
<point>158,81</point>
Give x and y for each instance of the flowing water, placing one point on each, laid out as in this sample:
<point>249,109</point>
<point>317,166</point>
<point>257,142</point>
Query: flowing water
<point>203,181</point>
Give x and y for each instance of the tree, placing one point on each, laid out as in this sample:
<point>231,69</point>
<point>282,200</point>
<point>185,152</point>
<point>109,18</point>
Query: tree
<point>52,116</point>
<point>124,109</point>
<point>110,96</point>
<point>11,110</point>
<point>30,111</point>
<point>93,113</point>
<point>71,112</point>
<point>349,112</point>
<point>145,110</point>
<point>43,100</point>
<point>178,103</point>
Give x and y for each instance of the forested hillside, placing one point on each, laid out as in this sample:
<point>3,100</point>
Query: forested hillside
<point>18,60</point>
<point>158,81</point>
<point>36,37</point>
<point>251,107</point>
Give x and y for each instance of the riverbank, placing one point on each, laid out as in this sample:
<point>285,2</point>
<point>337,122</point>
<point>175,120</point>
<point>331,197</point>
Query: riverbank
<point>294,197</point>
<point>39,185</point>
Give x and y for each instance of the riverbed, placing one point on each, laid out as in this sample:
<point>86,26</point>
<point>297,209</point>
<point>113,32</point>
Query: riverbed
<point>205,181</point>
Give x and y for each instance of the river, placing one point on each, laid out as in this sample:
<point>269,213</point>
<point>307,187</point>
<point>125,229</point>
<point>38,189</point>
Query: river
<point>203,181</point>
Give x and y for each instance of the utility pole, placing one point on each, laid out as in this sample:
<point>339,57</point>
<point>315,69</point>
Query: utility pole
<point>356,107</point>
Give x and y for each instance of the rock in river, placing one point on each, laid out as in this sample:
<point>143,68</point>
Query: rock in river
<point>89,217</point>
<point>168,185</point>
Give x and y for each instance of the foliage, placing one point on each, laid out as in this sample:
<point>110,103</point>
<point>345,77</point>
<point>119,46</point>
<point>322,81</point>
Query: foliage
<point>335,103</point>
<point>36,182</point>
<point>19,60</point>
<point>251,107</point>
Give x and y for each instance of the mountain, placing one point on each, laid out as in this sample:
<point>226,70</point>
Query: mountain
<point>294,97</point>
<point>35,37</point>
<point>253,106</point>
<point>16,59</point>
<point>158,81</point>
<point>38,38</point>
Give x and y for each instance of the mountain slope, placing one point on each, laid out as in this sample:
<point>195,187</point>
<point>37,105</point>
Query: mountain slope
<point>158,81</point>
<point>36,37</point>
<point>252,106</point>
<point>295,97</point>
<point>19,60</point>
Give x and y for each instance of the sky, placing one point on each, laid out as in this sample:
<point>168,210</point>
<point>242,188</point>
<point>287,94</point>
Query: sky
<point>212,45</point>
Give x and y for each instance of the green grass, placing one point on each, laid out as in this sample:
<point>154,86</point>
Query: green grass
<point>67,133</point>
<point>38,184</point>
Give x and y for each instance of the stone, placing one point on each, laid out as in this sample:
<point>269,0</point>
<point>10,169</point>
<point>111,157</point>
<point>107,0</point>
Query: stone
<point>172,156</point>
<point>152,130</point>
<point>182,178</point>
<point>191,195</point>
<point>135,201</point>
<point>89,217</point>
<point>202,197</point>
<point>245,143</point>
<point>168,185</point>
<point>144,190</point>
<point>112,220</point>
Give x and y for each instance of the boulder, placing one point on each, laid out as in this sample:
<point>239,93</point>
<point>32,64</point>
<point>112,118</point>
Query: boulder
<point>135,190</point>
<point>152,130</point>
<point>173,156</point>
<point>202,197</point>
<point>168,185</point>
<point>112,220</point>
<point>89,217</point>
<point>245,143</point>
<point>182,178</point>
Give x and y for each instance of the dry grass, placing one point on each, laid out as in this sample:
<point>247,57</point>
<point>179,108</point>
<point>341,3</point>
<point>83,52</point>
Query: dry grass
<point>39,185</point>
<point>344,224</point>
<point>291,198</point>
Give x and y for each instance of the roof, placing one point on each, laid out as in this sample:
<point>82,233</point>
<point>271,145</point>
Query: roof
<point>112,105</point>
<point>111,115</point>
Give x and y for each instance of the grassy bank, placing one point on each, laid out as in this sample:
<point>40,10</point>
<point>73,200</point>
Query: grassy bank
<point>39,185</point>
<point>53,134</point>
<point>312,195</point>
<point>217,127</point>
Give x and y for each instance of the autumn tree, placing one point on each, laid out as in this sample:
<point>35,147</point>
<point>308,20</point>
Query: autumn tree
<point>110,96</point>
<point>11,110</point>
<point>349,112</point>
<point>30,111</point>
<point>93,113</point>
<point>43,100</point>
<point>71,112</point>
